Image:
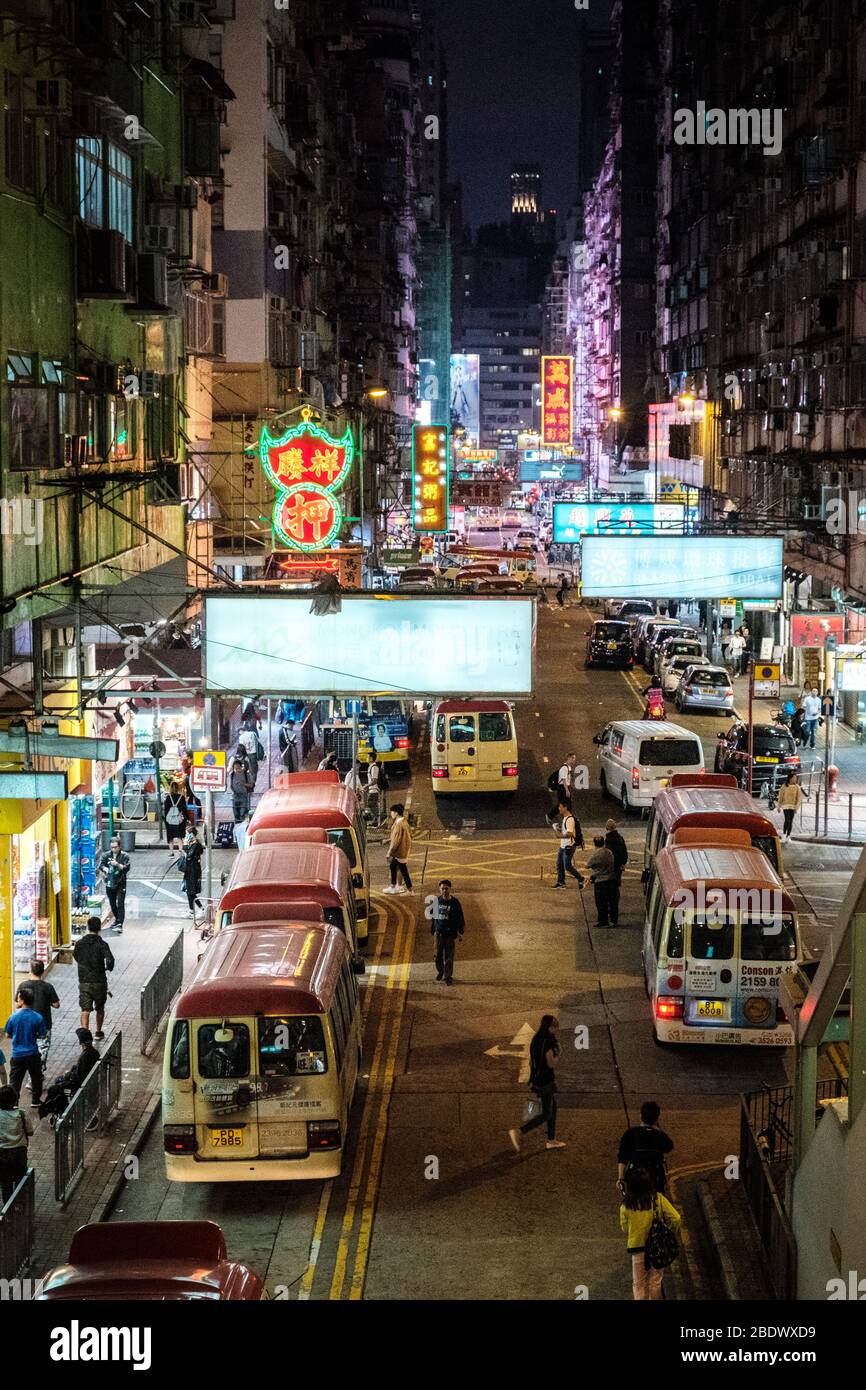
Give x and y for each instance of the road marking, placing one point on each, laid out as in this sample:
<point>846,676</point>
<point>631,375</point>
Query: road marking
<point>521,1040</point>
<point>158,888</point>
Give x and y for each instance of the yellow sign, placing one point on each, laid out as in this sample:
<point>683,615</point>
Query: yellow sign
<point>208,771</point>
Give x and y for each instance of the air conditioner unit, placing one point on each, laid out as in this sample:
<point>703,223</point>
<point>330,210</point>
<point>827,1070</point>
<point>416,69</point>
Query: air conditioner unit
<point>803,423</point>
<point>215,283</point>
<point>811,511</point>
<point>150,386</point>
<point>153,280</point>
<point>74,450</point>
<point>161,238</point>
<point>60,661</point>
<point>186,195</point>
<point>53,94</point>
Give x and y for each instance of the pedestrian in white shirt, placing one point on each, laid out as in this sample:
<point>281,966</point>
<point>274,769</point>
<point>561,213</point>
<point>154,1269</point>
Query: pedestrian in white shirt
<point>566,779</point>
<point>736,647</point>
<point>812,712</point>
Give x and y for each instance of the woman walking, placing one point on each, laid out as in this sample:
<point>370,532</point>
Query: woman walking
<point>789,801</point>
<point>15,1130</point>
<point>239,786</point>
<point>641,1205</point>
<point>174,810</point>
<point>543,1053</point>
<point>193,849</point>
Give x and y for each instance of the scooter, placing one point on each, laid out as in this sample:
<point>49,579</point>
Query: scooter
<point>655,704</point>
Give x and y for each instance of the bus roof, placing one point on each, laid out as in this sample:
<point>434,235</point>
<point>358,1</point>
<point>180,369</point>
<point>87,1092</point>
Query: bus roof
<point>274,970</point>
<point>704,779</point>
<point>697,869</point>
<point>286,835</point>
<point>724,807</point>
<point>472,707</point>
<point>321,805</point>
<point>325,776</point>
<point>710,836</point>
<point>280,873</point>
<point>248,914</point>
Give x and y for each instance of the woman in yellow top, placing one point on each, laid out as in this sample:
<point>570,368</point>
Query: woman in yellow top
<point>789,801</point>
<point>639,1205</point>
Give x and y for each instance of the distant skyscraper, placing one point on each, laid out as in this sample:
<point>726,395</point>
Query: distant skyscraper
<point>525,189</point>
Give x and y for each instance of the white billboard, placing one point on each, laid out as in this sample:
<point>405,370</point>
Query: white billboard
<point>682,566</point>
<point>401,645</point>
<point>466,393</point>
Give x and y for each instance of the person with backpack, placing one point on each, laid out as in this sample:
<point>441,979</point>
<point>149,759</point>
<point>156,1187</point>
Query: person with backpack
<point>651,1225</point>
<point>174,812</point>
<point>645,1146</point>
<point>570,839</point>
<point>562,781</point>
<point>543,1053</point>
<point>93,957</point>
<point>377,785</point>
<point>248,748</point>
<point>288,742</point>
<point>618,848</point>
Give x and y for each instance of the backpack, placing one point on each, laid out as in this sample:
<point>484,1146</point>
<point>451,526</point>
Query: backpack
<point>174,815</point>
<point>553,781</point>
<point>662,1246</point>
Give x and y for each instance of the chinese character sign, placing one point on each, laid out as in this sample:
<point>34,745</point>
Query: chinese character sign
<point>430,445</point>
<point>307,466</point>
<point>557,398</point>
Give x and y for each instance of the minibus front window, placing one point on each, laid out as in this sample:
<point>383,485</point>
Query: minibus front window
<point>343,838</point>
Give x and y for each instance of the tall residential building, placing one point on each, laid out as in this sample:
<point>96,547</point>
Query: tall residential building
<point>507,340</point>
<point>525,193</point>
<point>435,267</point>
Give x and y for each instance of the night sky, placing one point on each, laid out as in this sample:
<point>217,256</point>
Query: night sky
<point>513,96</point>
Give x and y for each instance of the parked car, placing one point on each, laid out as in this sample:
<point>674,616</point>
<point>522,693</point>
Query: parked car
<point>609,644</point>
<point>524,535</point>
<point>676,646</point>
<point>704,687</point>
<point>638,630</point>
<point>672,670</point>
<point>638,758</point>
<point>658,633</point>
<point>629,608</point>
<point>498,586</point>
<point>774,753</point>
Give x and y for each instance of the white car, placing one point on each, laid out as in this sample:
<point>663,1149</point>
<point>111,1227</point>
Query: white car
<point>676,646</point>
<point>673,669</point>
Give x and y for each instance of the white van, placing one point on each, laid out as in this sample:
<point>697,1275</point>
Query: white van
<point>638,757</point>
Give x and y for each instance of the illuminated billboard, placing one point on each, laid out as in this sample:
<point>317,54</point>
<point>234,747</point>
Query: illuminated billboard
<point>466,393</point>
<point>571,520</point>
<point>813,629</point>
<point>430,445</point>
<point>682,566</point>
<point>407,645</point>
<point>308,467</point>
<point>557,400</point>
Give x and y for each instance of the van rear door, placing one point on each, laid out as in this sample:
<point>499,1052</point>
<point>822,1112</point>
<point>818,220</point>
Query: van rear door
<point>295,1085</point>
<point>462,747</point>
<point>495,744</point>
<point>223,1063</point>
<point>661,757</point>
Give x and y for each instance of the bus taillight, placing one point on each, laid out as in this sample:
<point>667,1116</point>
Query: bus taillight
<point>667,1008</point>
<point>323,1134</point>
<point>401,743</point>
<point>509,769</point>
<point>440,772</point>
<point>179,1139</point>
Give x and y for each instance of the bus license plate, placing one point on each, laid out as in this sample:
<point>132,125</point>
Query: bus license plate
<point>463,771</point>
<point>226,1138</point>
<point>759,759</point>
<point>710,1008</point>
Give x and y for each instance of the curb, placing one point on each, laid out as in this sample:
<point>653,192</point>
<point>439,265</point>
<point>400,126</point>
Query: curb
<point>134,1144</point>
<point>716,1232</point>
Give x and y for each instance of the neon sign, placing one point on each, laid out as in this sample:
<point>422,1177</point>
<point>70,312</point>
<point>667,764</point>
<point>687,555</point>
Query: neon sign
<point>430,469</point>
<point>307,466</point>
<point>557,400</point>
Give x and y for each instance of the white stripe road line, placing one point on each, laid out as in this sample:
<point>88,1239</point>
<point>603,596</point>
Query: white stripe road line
<point>158,888</point>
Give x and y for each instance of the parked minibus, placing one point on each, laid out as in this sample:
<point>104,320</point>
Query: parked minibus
<point>262,1057</point>
<point>283,874</point>
<point>720,930</point>
<point>298,802</point>
<point>708,837</point>
<point>712,808</point>
<point>473,747</point>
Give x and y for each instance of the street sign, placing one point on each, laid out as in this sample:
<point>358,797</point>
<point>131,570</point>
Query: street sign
<point>32,786</point>
<point>728,607</point>
<point>208,771</point>
<point>767,680</point>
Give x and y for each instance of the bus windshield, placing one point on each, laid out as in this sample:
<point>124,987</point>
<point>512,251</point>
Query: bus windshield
<point>342,836</point>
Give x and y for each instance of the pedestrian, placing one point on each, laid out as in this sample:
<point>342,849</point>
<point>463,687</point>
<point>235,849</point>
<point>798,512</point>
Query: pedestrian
<point>399,845</point>
<point>250,718</point>
<point>16,1128</point>
<point>190,863</point>
<point>25,1027</point>
<point>288,745</point>
<point>248,744</point>
<point>562,590</point>
<point>543,1053</point>
<point>645,1146</point>
<point>731,513</point>
<point>570,839</point>
<point>328,763</point>
<point>673,607</point>
<point>115,868</point>
<point>736,648</point>
<point>798,721</point>
<point>353,780</point>
<point>61,1091</point>
<point>93,957</point>
<point>603,872</point>
<point>448,923</point>
<point>811,715</point>
<point>565,779</point>
<point>789,801</point>
<point>640,1207</point>
<point>377,786</point>
<point>45,999</point>
<point>174,811</point>
<point>240,791</point>
<point>618,848</point>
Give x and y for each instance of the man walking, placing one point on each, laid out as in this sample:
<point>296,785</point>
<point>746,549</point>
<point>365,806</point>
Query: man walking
<point>94,959</point>
<point>248,743</point>
<point>812,713</point>
<point>25,1027</point>
<point>44,1000</point>
<point>601,867</point>
<point>736,648</point>
<point>570,839</point>
<point>448,924</point>
<point>617,846</point>
<point>115,867</point>
<point>399,845</point>
<point>240,789</point>
<point>566,779</point>
<point>377,785</point>
<point>644,1146</point>
<point>288,743</point>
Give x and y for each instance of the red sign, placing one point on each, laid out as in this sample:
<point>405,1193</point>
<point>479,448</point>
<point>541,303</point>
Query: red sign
<point>307,517</point>
<point>811,629</point>
<point>557,400</point>
<point>307,466</point>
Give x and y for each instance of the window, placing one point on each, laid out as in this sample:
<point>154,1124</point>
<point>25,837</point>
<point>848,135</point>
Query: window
<point>440,728</point>
<point>122,427</point>
<point>338,1028</point>
<point>292,1046</point>
<point>494,728</point>
<point>462,728</point>
<point>120,191</point>
<point>179,1064</point>
<point>343,837</point>
<point>669,752</point>
<point>53,148</point>
<point>228,1055</point>
<point>768,938</point>
<point>712,941</point>
<point>40,413</point>
<point>91,173</point>
<point>20,135</point>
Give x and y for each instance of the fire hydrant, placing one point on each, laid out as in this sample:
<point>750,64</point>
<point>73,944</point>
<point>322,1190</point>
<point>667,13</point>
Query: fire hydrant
<point>833,780</point>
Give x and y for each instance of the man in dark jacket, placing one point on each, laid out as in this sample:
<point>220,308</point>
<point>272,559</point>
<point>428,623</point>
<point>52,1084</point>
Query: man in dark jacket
<point>115,867</point>
<point>93,957</point>
<point>617,846</point>
<point>645,1146</point>
<point>447,924</point>
<point>75,1078</point>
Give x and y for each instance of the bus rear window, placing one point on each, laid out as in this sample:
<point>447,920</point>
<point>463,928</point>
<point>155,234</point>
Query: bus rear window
<point>768,938</point>
<point>669,752</point>
<point>494,728</point>
<point>292,1046</point>
<point>223,1050</point>
<point>712,941</point>
<point>343,838</point>
<point>462,728</point>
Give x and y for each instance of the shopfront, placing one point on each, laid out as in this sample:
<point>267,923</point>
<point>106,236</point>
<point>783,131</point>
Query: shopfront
<point>34,887</point>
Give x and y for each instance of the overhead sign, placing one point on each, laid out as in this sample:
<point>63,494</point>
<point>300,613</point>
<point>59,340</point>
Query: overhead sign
<point>308,467</point>
<point>32,786</point>
<point>466,393</point>
<point>557,400</point>
<point>682,566</point>
<point>479,455</point>
<point>208,771</point>
<point>47,745</point>
<point>430,446</point>
<point>403,645</point>
<point>567,471</point>
<point>813,629</point>
<point>852,674</point>
<point>767,680</point>
<point>672,490</point>
<point>571,520</point>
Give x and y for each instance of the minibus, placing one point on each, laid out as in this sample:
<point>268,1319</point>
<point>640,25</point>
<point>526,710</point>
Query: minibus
<point>712,808</point>
<point>708,837</point>
<point>283,874</point>
<point>473,747</point>
<point>300,803</point>
<point>262,1058</point>
<point>720,930</point>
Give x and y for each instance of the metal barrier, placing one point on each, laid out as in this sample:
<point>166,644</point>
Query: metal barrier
<point>88,1111</point>
<point>17,1227</point>
<point>158,991</point>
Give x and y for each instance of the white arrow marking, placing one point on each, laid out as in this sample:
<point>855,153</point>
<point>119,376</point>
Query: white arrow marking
<point>520,1042</point>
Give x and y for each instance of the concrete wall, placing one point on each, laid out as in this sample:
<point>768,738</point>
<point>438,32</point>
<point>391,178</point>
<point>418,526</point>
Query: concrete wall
<point>829,1205</point>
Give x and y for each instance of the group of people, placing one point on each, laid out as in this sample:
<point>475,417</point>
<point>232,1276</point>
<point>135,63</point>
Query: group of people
<point>607,862</point>
<point>808,714</point>
<point>738,648</point>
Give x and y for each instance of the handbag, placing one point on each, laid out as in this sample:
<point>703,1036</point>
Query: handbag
<point>662,1246</point>
<point>182,862</point>
<point>531,1109</point>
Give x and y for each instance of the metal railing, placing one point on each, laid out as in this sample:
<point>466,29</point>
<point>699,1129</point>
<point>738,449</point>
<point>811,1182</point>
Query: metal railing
<point>158,991</point>
<point>778,1245</point>
<point>17,1227</point>
<point>87,1112</point>
<point>309,732</point>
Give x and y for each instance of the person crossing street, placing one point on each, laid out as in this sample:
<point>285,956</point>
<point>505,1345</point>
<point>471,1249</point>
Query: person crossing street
<point>570,839</point>
<point>448,925</point>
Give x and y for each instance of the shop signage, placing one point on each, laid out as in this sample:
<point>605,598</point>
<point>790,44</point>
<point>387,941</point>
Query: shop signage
<point>813,629</point>
<point>308,467</point>
<point>32,786</point>
<point>767,678</point>
<point>430,447</point>
<point>728,607</point>
<point>852,674</point>
<point>682,566</point>
<point>557,399</point>
<point>208,771</point>
<point>573,520</point>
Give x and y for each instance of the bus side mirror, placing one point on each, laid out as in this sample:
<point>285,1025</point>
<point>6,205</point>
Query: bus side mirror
<point>597,738</point>
<point>357,880</point>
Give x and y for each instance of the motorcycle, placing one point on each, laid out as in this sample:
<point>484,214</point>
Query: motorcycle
<point>655,705</point>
